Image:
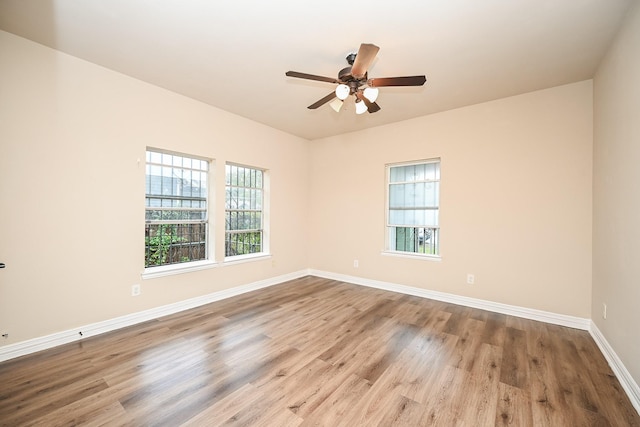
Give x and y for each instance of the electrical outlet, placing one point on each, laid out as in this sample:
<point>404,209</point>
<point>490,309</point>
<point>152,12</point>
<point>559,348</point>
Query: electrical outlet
<point>355,263</point>
<point>604,311</point>
<point>471,279</point>
<point>135,290</point>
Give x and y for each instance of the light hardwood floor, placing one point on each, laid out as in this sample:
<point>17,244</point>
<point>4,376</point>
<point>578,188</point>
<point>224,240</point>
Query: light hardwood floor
<point>319,352</point>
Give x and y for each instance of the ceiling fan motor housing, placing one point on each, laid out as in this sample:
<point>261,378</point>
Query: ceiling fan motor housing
<point>347,78</point>
<point>345,74</point>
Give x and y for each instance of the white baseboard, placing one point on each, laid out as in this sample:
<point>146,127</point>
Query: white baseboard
<point>12,351</point>
<point>626,380</point>
<point>512,310</point>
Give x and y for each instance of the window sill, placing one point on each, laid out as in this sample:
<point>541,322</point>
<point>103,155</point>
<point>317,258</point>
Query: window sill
<point>169,270</point>
<point>239,259</point>
<point>424,257</point>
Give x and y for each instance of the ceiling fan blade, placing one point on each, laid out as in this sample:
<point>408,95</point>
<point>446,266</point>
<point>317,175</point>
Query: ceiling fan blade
<point>311,77</point>
<point>372,107</point>
<point>364,58</point>
<point>322,101</point>
<point>397,81</point>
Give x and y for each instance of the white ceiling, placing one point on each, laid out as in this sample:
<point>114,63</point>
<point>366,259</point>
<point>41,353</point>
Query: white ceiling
<point>233,54</point>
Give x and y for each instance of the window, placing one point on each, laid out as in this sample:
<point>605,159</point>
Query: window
<point>413,195</point>
<point>176,219</point>
<point>244,214</point>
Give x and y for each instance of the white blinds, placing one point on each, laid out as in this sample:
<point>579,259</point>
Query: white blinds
<point>414,194</point>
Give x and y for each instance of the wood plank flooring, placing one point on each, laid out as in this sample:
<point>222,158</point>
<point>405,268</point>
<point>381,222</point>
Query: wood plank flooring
<point>316,352</point>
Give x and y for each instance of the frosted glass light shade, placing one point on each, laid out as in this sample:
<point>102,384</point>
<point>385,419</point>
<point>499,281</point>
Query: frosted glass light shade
<point>361,107</point>
<point>336,104</point>
<point>371,93</point>
<point>342,91</point>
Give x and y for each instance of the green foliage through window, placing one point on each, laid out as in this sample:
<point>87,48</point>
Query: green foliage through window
<point>176,208</point>
<point>174,243</point>
<point>243,210</point>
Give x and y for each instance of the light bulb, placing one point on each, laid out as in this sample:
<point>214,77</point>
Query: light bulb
<point>342,91</point>
<point>361,107</point>
<point>371,93</point>
<point>336,104</point>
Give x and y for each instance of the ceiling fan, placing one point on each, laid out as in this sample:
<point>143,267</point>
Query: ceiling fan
<point>353,80</point>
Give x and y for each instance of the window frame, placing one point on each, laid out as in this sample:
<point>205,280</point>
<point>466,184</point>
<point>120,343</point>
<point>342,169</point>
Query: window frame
<point>264,216</point>
<point>389,245</point>
<point>209,259</point>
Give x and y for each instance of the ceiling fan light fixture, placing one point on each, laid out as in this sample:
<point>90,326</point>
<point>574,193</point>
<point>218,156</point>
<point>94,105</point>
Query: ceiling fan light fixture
<point>361,107</point>
<point>371,93</point>
<point>336,104</point>
<point>342,91</point>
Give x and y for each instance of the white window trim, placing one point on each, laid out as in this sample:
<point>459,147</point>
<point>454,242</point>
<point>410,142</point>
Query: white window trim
<point>266,218</point>
<point>210,261</point>
<point>171,269</point>
<point>414,255</point>
<point>402,254</point>
<point>241,259</point>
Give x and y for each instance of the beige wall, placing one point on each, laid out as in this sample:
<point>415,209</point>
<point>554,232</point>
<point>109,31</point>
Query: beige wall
<point>516,195</point>
<point>515,200</point>
<point>71,189</point>
<point>616,192</point>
